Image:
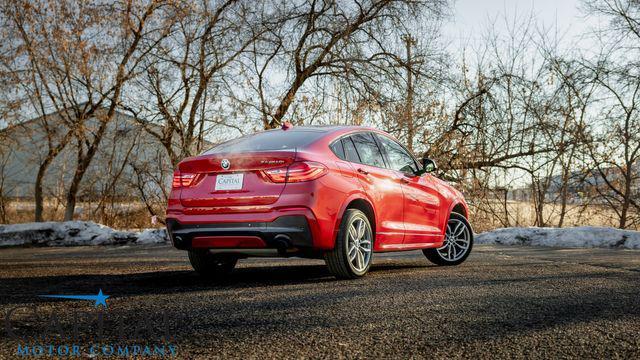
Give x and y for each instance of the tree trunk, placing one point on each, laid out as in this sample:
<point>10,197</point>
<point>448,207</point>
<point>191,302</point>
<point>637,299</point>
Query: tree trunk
<point>39,199</point>
<point>288,98</point>
<point>409,104</point>
<point>538,203</point>
<point>3,209</point>
<point>42,170</point>
<point>72,192</point>
<point>506,208</point>
<point>284,104</point>
<point>564,193</point>
<point>623,214</point>
<point>563,208</point>
<point>83,165</point>
<point>626,201</point>
<point>3,203</point>
<point>70,206</point>
<point>539,214</point>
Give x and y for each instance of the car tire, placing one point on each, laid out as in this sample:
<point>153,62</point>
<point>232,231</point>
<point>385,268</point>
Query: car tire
<point>211,265</point>
<point>457,245</point>
<point>352,253</point>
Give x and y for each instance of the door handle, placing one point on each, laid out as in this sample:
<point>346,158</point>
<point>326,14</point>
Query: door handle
<point>363,171</point>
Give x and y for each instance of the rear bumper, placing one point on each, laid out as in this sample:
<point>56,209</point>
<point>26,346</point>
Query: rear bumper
<point>285,233</point>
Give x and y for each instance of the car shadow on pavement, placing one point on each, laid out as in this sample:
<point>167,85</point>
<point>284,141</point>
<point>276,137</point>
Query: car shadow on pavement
<point>26,289</point>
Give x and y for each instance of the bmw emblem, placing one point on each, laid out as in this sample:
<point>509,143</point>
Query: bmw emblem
<point>225,164</point>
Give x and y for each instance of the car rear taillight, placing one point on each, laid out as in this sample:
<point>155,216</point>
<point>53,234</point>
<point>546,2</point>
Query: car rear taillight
<point>182,180</point>
<point>296,172</point>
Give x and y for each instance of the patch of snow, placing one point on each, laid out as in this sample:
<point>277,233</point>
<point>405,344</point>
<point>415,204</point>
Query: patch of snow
<point>152,236</point>
<point>75,233</point>
<point>577,237</point>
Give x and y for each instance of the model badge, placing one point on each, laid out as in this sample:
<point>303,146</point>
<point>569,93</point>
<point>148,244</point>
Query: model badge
<point>225,164</point>
<point>270,162</point>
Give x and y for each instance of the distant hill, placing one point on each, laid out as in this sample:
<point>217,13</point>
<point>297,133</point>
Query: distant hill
<point>127,152</point>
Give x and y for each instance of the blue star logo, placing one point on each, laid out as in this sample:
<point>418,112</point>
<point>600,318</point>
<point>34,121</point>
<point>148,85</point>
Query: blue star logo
<point>100,299</point>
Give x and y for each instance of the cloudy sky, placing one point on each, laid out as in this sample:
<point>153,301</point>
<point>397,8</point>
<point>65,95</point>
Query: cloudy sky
<point>471,18</point>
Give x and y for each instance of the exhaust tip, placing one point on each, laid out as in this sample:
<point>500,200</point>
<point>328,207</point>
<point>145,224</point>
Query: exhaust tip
<point>282,241</point>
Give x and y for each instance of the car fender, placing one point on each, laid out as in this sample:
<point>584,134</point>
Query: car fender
<point>356,195</point>
<point>453,201</point>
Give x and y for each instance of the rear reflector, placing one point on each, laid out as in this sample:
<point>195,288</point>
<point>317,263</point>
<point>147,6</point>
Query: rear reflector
<point>182,180</point>
<point>296,172</point>
<point>232,242</point>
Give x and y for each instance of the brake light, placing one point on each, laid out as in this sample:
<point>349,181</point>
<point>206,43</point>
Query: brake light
<point>278,175</point>
<point>182,180</point>
<point>296,172</point>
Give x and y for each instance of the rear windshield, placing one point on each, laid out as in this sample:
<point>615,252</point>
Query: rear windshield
<point>268,140</point>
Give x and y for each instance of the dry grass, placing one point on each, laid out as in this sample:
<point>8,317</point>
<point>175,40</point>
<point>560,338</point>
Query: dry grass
<point>485,216</point>
<point>125,215</point>
<point>492,215</point>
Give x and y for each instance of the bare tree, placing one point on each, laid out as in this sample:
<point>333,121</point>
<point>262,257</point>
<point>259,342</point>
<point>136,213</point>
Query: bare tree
<point>185,74</point>
<point>29,76</point>
<point>577,92</point>
<point>508,124</point>
<point>80,76</point>
<point>614,142</point>
<point>5,153</point>
<point>321,40</point>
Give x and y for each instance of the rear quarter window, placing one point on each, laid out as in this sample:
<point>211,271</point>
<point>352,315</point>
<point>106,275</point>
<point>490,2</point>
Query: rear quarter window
<point>350,153</point>
<point>368,149</point>
<point>338,149</point>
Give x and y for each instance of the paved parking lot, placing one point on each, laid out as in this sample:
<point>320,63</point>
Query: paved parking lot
<point>503,302</point>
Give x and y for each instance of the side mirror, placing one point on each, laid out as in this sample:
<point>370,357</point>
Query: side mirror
<point>428,165</point>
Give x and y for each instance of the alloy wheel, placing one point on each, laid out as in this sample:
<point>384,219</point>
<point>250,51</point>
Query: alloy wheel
<point>359,244</point>
<point>457,240</point>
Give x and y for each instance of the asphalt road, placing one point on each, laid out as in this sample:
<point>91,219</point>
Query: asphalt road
<point>504,302</point>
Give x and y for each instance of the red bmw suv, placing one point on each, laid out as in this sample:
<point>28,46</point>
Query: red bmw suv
<point>340,193</point>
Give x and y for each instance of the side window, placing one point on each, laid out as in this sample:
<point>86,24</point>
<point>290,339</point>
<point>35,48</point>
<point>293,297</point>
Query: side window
<point>399,158</point>
<point>338,149</point>
<point>368,149</point>
<point>350,153</point>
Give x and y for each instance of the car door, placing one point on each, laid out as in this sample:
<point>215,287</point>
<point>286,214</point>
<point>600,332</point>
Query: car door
<point>421,199</point>
<point>381,184</point>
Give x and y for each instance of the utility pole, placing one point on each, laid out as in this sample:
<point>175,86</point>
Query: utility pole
<point>408,116</point>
